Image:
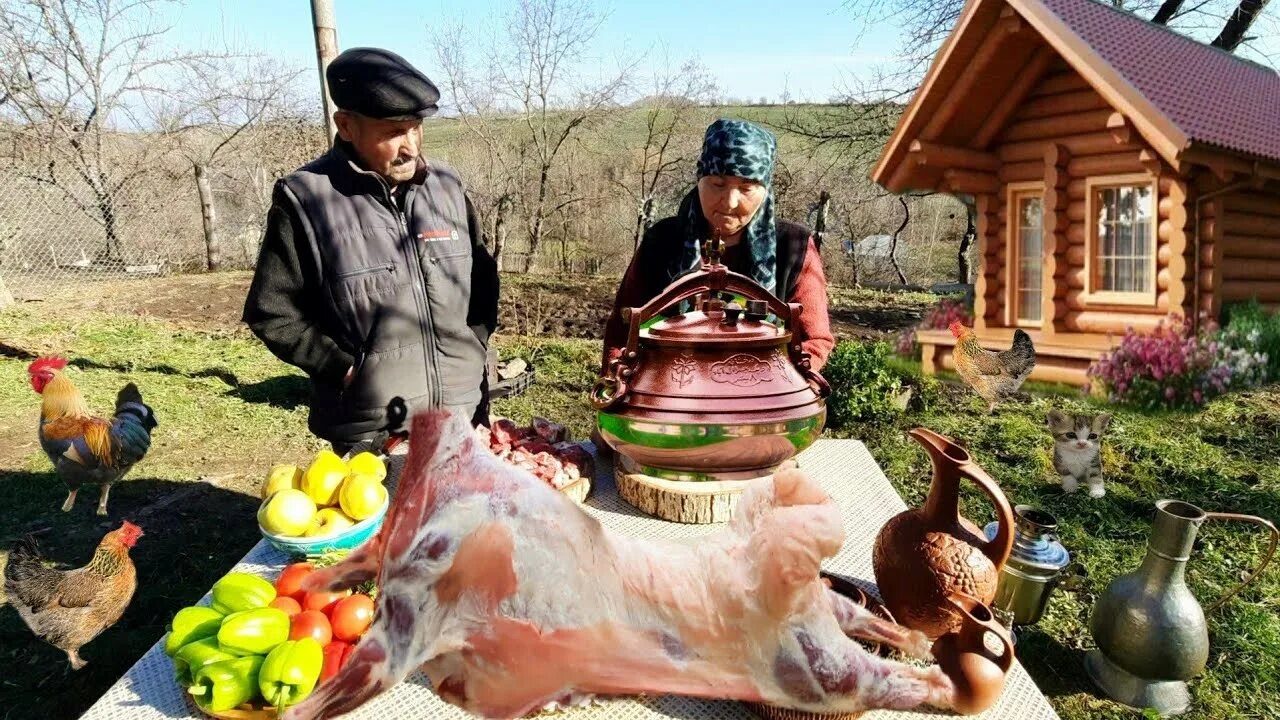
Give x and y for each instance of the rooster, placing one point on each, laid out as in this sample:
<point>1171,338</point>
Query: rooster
<point>68,608</point>
<point>993,375</point>
<point>84,448</point>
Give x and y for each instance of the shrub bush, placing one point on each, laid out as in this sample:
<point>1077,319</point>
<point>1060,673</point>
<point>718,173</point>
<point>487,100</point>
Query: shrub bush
<point>864,388</point>
<point>940,317</point>
<point>1175,367</point>
<point>1252,329</point>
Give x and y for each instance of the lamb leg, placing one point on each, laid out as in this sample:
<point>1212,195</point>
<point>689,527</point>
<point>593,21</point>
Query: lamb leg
<point>859,622</point>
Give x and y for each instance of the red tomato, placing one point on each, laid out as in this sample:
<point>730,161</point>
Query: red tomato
<point>351,617</point>
<point>322,601</point>
<point>335,656</point>
<point>312,624</point>
<point>287,604</point>
<point>289,584</point>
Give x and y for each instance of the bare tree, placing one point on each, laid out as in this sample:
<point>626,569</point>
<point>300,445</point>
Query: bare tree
<point>670,114</point>
<point>1238,23</point>
<point>78,71</point>
<point>893,245</point>
<point>533,70</point>
<point>211,119</point>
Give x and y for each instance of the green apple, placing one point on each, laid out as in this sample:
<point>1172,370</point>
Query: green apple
<point>366,463</point>
<point>282,477</point>
<point>324,477</point>
<point>287,513</point>
<point>329,521</point>
<point>361,496</point>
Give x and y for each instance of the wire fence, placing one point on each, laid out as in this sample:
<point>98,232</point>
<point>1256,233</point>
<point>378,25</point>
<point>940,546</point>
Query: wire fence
<point>59,231</point>
<point>55,235</point>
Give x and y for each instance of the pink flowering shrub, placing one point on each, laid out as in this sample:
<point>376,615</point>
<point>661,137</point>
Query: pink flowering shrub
<point>939,317</point>
<point>1175,367</point>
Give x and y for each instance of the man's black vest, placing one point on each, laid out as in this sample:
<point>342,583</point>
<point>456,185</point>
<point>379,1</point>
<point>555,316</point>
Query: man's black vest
<point>398,285</point>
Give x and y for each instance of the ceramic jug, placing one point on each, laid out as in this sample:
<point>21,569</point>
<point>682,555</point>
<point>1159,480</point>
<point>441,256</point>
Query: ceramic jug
<point>975,669</point>
<point>921,557</point>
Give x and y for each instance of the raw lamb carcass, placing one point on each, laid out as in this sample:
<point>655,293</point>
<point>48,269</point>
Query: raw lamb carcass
<point>511,597</point>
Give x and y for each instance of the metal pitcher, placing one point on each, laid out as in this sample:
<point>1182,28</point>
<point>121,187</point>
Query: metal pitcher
<point>1150,630</point>
<point>1036,566</point>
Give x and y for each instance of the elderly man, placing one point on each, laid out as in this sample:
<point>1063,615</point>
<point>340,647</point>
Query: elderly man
<point>373,277</point>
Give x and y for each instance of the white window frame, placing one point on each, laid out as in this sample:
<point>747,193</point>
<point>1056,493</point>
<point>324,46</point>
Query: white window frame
<point>1014,193</point>
<point>1093,292</point>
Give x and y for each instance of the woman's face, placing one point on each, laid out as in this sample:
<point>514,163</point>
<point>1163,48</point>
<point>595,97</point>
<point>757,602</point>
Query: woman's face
<point>729,202</point>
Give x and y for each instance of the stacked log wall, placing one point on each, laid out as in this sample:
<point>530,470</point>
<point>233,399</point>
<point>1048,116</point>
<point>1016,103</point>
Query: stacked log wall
<point>1064,121</point>
<point>1240,236</point>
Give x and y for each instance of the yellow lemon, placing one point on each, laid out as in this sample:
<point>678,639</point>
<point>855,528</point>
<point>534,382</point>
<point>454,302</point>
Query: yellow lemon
<point>282,477</point>
<point>361,496</point>
<point>329,521</point>
<point>288,513</point>
<point>323,478</point>
<point>366,463</point>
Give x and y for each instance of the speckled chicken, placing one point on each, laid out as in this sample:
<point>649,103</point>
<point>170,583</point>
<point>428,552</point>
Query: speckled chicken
<point>510,597</point>
<point>68,608</point>
<point>993,375</point>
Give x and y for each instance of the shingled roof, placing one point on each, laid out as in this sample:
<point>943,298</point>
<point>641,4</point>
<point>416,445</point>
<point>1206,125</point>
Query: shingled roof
<point>1191,103</point>
<point>1208,94</point>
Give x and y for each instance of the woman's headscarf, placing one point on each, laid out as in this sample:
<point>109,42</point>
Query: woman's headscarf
<point>734,147</point>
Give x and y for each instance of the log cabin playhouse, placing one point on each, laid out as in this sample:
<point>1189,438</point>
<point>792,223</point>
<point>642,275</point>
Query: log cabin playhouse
<point>1120,172</point>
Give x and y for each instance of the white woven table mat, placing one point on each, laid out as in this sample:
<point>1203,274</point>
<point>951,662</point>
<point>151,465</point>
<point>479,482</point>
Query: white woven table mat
<point>844,467</point>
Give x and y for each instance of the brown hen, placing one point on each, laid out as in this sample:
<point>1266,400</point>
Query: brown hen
<point>993,375</point>
<point>68,608</point>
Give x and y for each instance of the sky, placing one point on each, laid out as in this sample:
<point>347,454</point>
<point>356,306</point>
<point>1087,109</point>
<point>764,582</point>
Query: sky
<point>752,48</point>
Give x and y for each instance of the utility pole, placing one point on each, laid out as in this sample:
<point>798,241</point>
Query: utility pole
<point>326,28</point>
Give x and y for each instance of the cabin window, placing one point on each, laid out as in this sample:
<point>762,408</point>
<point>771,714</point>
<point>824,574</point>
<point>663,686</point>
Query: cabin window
<point>1122,236</point>
<point>1026,252</point>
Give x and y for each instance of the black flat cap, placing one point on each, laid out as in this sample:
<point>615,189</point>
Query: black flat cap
<point>380,84</point>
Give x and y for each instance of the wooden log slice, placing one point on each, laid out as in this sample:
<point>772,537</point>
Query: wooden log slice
<point>684,501</point>
<point>579,490</point>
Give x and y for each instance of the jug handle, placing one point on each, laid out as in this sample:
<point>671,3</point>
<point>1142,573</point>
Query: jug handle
<point>999,547</point>
<point>971,607</point>
<point>1275,540</point>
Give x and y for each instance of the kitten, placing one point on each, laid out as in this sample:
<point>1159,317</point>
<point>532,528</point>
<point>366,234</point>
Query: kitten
<point>1077,445</point>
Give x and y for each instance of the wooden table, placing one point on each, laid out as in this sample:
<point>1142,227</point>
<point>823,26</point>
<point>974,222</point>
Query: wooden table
<point>845,469</point>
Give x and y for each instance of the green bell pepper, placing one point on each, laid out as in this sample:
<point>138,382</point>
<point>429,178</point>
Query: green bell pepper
<point>226,684</point>
<point>189,625</point>
<point>291,672</point>
<point>195,655</point>
<point>253,632</point>
<point>237,591</point>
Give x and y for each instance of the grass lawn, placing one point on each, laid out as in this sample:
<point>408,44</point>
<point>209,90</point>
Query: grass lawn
<point>228,410</point>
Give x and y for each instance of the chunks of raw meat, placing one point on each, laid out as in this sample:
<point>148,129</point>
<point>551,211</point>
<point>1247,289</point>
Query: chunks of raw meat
<point>549,431</point>
<point>540,449</point>
<point>510,596</point>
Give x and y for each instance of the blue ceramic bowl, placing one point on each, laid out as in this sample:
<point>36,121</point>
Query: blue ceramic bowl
<point>348,539</point>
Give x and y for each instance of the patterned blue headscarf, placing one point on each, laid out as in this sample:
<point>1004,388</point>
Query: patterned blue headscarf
<point>746,150</point>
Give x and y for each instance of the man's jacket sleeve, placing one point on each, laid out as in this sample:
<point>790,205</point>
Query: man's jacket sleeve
<point>282,303</point>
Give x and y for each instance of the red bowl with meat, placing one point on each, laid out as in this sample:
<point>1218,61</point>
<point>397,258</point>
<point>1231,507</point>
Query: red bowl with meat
<point>543,449</point>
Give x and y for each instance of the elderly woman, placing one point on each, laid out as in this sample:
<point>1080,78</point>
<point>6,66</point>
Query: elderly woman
<point>733,199</point>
